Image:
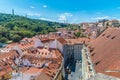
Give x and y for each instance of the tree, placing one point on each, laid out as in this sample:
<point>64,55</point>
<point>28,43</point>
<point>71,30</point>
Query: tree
<point>3,40</point>
<point>14,28</point>
<point>78,34</point>
<point>16,38</point>
<point>107,24</point>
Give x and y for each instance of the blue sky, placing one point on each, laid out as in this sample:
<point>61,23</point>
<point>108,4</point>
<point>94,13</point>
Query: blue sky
<point>72,11</point>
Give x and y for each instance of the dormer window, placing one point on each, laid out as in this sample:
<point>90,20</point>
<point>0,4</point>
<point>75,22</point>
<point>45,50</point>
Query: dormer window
<point>92,54</point>
<point>113,37</point>
<point>108,36</point>
<point>91,49</point>
<point>97,62</point>
<point>103,35</point>
<point>45,53</point>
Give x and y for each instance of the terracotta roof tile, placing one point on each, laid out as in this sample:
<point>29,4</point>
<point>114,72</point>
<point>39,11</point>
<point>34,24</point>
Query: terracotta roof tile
<point>106,50</point>
<point>62,41</point>
<point>79,40</point>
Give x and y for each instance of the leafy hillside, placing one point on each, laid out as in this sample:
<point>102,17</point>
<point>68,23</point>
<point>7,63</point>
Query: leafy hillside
<point>13,28</point>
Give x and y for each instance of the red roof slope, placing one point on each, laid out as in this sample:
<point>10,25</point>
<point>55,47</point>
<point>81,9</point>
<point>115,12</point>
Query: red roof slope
<point>105,52</point>
<point>62,41</point>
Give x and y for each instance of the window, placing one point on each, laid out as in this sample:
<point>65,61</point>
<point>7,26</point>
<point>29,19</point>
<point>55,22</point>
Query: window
<point>45,53</point>
<point>91,50</point>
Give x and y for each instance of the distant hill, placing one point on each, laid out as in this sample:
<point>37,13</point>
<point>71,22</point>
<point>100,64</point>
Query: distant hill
<point>14,27</point>
<point>12,21</point>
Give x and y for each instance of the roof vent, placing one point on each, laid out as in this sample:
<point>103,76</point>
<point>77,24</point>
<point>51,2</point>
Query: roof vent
<point>113,37</point>
<point>108,36</point>
<point>97,62</point>
<point>93,54</point>
<point>91,49</point>
<point>103,35</point>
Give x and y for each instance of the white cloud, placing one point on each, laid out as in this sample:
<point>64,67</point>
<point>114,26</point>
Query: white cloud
<point>32,7</point>
<point>102,17</point>
<point>64,16</point>
<point>67,14</point>
<point>46,19</point>
<point>34,14</point>
<point>44,6</point>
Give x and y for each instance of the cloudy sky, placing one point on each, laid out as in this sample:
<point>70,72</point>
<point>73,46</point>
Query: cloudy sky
<point>72,11</point>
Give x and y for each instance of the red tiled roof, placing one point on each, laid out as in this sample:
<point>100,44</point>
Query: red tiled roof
<point>43,76</point>
<point>62,41</point>
<point>49,58</point>
<point>33,70</point>
<point>79,40</point>
<point>106,50</point>
<point>10,54</point>
<point>113,21</point>
<point>11,45</point>
<point>5,68</point>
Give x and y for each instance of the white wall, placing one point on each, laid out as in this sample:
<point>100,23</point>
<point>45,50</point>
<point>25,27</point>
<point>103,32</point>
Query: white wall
<point>38,43</point>
<point>60,46</point>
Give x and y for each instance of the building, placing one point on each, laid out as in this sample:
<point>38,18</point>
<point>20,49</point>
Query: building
<point>100,76</point>
<point>32,59</point>
<point>101,23</point>
<point>66,33</point>
<point>87,24</point>
<point>6,64</point>
<point>113,23</point>
<point>102,54</point>
<point>75,46</point>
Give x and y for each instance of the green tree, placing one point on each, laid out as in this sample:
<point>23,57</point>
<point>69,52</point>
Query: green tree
<point>16,38</point>
<point>16,27</point>
<point>3,40</point>
<point>78,34</point>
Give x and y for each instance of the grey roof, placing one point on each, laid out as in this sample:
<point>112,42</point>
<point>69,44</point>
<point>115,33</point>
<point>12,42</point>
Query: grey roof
<point>100,76</point>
